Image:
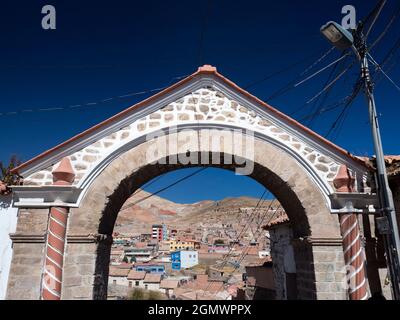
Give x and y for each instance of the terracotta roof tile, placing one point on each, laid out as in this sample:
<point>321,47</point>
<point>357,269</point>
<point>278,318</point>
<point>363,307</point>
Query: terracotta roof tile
<point>118,272</point>
<point>169,284</point>
<point>280,218</point>
<point>152,278</point>
<point>136,275</point>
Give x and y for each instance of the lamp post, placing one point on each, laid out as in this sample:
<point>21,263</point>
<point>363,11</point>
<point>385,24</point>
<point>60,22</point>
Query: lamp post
<point>343,39</point>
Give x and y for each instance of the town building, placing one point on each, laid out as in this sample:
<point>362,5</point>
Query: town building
<point>139,254</point>
<point>136,278</point>
<point>183,244</point>
<point>184,259</point>
<point>118,276</point>
<point>151,268</point>
<point>168,286</point>
<point>159,232</point>
<point>152,282</point>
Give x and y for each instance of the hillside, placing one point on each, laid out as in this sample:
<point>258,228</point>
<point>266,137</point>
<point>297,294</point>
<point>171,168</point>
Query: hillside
<point>137,216</point>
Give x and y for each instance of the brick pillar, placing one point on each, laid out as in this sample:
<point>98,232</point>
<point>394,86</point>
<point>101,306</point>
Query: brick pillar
<point>55,242</point>
<point>354,255</point>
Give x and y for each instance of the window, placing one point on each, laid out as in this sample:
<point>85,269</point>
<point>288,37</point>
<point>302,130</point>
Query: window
<point>137,283</point>
<point>114,282</point>
<point>130,284</point>
<point>146,286</point>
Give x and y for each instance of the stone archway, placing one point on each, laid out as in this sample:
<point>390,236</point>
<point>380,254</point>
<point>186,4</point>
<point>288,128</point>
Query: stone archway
<point>316,230</point>
<point>116,157</point>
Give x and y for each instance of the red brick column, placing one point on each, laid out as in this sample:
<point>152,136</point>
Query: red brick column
<point>354,255</point>
<point>56,231</point>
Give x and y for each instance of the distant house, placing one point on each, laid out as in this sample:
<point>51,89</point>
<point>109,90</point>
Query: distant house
<point>136,278</point>
<point>184,259</point>
<point>159,232</point>
<point>184,244</point>
<point>151,268</point>
<point>168,286</point>
<point>118,276</point>
<point>164,247</point>
<point>117,255</point>
<point>152,282</point>
<point>139,254</point>
<point>203,283</point>
<point>218,248</point>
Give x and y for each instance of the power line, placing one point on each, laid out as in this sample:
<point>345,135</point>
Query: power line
<point>374,15</point>
<point>283,70</point>
<point>294,84</point>
<point>383,72</point>
<point>321,70</point>
<point>330,50</point>
<point>290,86</point>
<point>88,104</point>
<point>166,188</point>
<point>244,252</point>
<point>330,84</point>
<point>325,109</point>
<point>326,89</point>
<point>387,28</point>
<point>143,187</point>
<point>354,94</point>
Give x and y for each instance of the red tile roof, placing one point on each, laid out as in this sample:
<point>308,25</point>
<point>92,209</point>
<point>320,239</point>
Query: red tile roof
<point>169,284</point>
<point>281,218</point>
<point>136,275</point>
<point>124,265</point>
<point>204,70</point>
<point>152,278</point>
<point>118,272</point>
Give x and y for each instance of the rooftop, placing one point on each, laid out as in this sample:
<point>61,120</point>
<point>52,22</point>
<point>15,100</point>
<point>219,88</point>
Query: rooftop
<point>169,284</point>
<point>281,218</point>
<point>118,272</point>
<point>152,278</point>
<point>136,275</point>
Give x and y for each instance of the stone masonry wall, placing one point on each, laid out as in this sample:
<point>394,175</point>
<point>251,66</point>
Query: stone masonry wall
<point>24,282</point>
<point>28,254</point>
<point>79,271</point>
<point>330,272</point>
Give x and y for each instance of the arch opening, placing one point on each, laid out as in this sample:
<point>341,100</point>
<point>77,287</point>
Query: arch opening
<point>287,198</point>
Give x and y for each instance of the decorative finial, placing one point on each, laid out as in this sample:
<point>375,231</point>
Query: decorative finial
<point>63,174</point>
<point>344,182</point>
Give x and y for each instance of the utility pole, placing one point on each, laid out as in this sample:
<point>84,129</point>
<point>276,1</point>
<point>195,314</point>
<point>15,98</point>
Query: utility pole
<point>386,221</point>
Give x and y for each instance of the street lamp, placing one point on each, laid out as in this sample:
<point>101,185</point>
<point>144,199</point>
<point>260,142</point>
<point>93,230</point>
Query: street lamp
<point>343,39</point>
<point>339,37</point>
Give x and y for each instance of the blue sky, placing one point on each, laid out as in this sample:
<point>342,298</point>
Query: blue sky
<point>107,49</point>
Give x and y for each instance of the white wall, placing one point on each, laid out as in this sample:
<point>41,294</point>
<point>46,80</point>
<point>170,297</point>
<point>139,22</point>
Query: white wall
<point>189,259</point>
<point>8,223</point>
